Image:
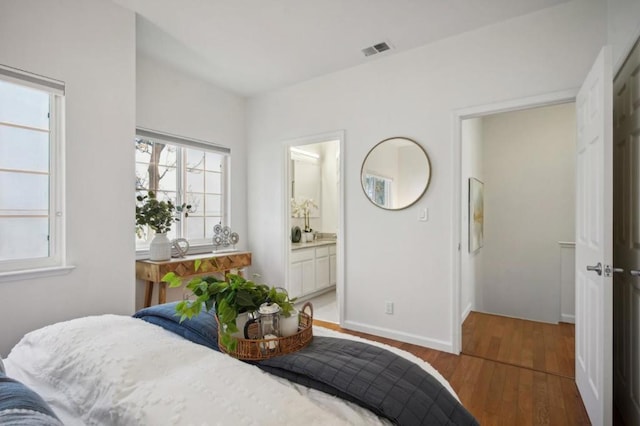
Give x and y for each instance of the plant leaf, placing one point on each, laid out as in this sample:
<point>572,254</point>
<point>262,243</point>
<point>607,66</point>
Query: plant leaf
<point>244,299</point>
<point>172,279</point>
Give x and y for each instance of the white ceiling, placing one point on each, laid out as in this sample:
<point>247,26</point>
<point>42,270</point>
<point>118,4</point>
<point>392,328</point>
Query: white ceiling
<point>252,46</point>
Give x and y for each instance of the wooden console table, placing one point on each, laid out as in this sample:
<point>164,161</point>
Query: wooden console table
<point>152,271</point>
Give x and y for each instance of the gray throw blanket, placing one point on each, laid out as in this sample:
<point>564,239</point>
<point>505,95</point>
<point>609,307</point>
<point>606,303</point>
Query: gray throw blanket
<point>375,378</point>
<point>372,377</point>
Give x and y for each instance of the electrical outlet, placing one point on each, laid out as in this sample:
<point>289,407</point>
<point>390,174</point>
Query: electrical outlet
<point>388,308</point>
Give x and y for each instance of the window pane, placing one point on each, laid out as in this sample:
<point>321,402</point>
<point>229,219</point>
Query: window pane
<point>24,238</point>
<point>166,196</point>
<point>142,176</point>
<point>214,183</point>
<point>213,205</point>
<point>168,155</point>
<point>143,149</point>
<point>168,179</point>
<point>14,186</point>
<point>195,159</point>
<point>214,161</point>
<point>196,202</point>
<point>24,149</point>
<point>23,105</point>
<point>194,227</point>
<point>195,181</point>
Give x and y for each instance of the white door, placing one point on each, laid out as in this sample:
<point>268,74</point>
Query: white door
<point>594,240</point>
<point>626,210</point>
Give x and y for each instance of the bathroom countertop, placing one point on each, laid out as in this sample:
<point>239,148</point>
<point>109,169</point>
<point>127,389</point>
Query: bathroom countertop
<point>314,243</point>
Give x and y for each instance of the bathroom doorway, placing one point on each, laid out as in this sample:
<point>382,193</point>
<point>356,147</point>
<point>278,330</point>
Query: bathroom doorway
<point>315,255</point>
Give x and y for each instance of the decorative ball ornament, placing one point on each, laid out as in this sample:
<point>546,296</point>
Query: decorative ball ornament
<point>224,239</point>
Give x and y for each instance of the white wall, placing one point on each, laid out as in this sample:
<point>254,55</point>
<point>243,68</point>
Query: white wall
<point>471,152</point>
<point>90,45</point>
<point>529,171</point>
<point>389,255</point>
<point>173,102</point>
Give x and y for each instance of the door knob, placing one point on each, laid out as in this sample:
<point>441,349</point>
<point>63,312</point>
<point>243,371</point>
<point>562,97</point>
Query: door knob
<point>634,273</point>
<point>597,268</point>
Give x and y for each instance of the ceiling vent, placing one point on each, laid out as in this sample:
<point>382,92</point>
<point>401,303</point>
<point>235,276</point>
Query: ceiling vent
<point>376,48</point>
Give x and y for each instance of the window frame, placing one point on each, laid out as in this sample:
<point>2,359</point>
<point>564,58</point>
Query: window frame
<point>55,262</point>
<point>191,143</point>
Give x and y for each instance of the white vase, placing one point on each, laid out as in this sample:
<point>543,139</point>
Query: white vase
<point>289,325</point>
<point>241,320</point>
<point>160,248</point>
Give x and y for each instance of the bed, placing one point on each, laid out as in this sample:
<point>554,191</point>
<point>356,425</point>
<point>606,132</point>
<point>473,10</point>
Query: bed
<point>152,370</point>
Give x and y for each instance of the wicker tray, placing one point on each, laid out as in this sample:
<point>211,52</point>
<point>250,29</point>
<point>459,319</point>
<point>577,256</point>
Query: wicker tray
<point>258,349</point>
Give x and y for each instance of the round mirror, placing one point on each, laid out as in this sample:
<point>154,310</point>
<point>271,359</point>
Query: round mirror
<point>395,173</point>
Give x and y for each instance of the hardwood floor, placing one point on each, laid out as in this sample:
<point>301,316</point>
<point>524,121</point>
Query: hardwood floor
<point>540,346</point>
<point>498,393</point>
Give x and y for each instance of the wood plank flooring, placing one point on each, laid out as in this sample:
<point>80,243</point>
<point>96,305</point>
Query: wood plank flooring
<point>498,393</point>
<point>540,346</point>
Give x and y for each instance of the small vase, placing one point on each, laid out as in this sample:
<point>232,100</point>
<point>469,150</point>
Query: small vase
<point>289,325</point>
<point>160,248</point>
<point>241,320</point>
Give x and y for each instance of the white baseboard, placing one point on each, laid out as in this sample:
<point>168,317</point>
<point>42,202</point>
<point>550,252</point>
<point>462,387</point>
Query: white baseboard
<point>401,336</point>
<point>466,312</point>
<point>568,318</point>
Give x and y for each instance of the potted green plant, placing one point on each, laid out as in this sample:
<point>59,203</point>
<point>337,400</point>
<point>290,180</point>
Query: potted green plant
<point>159,216</point>
<point>232,299</point>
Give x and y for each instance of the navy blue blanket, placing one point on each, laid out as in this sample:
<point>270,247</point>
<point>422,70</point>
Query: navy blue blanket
<point>202,329</point>
<point>370,376</point>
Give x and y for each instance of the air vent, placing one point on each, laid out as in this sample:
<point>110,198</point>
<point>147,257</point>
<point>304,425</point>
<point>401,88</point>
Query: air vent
<point>376,48</point>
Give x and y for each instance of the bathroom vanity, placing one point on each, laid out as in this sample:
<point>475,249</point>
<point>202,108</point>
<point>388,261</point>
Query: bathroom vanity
<point>312,268</point>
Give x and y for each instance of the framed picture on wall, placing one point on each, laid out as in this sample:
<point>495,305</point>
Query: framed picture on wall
<point>476,214</point>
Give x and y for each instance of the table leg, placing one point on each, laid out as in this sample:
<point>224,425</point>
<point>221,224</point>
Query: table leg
<point>162,294</point>
<point>148,292</point>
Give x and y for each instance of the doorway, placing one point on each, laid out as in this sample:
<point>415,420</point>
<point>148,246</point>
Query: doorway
<point>525,162</point>
<point>314,220</point>
<point>468,266</point>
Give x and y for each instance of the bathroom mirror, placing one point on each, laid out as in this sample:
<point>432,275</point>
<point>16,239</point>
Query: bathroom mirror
<point>306,177</point>
<point>395,173</point>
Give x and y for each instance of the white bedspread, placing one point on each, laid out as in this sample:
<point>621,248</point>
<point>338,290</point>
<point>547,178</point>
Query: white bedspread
<point>117,370</point>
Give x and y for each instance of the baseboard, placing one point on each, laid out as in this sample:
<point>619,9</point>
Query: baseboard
<point>466,312</point>
<point>400,336</point>
<point>571,319</point>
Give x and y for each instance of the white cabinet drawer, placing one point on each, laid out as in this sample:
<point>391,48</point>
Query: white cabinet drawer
<point>322,251</point>
<point>300,255</point>
<point>332,249</point>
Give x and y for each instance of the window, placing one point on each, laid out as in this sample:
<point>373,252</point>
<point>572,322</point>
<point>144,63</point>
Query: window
<point>185,171</point>
<point>31,144</point>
